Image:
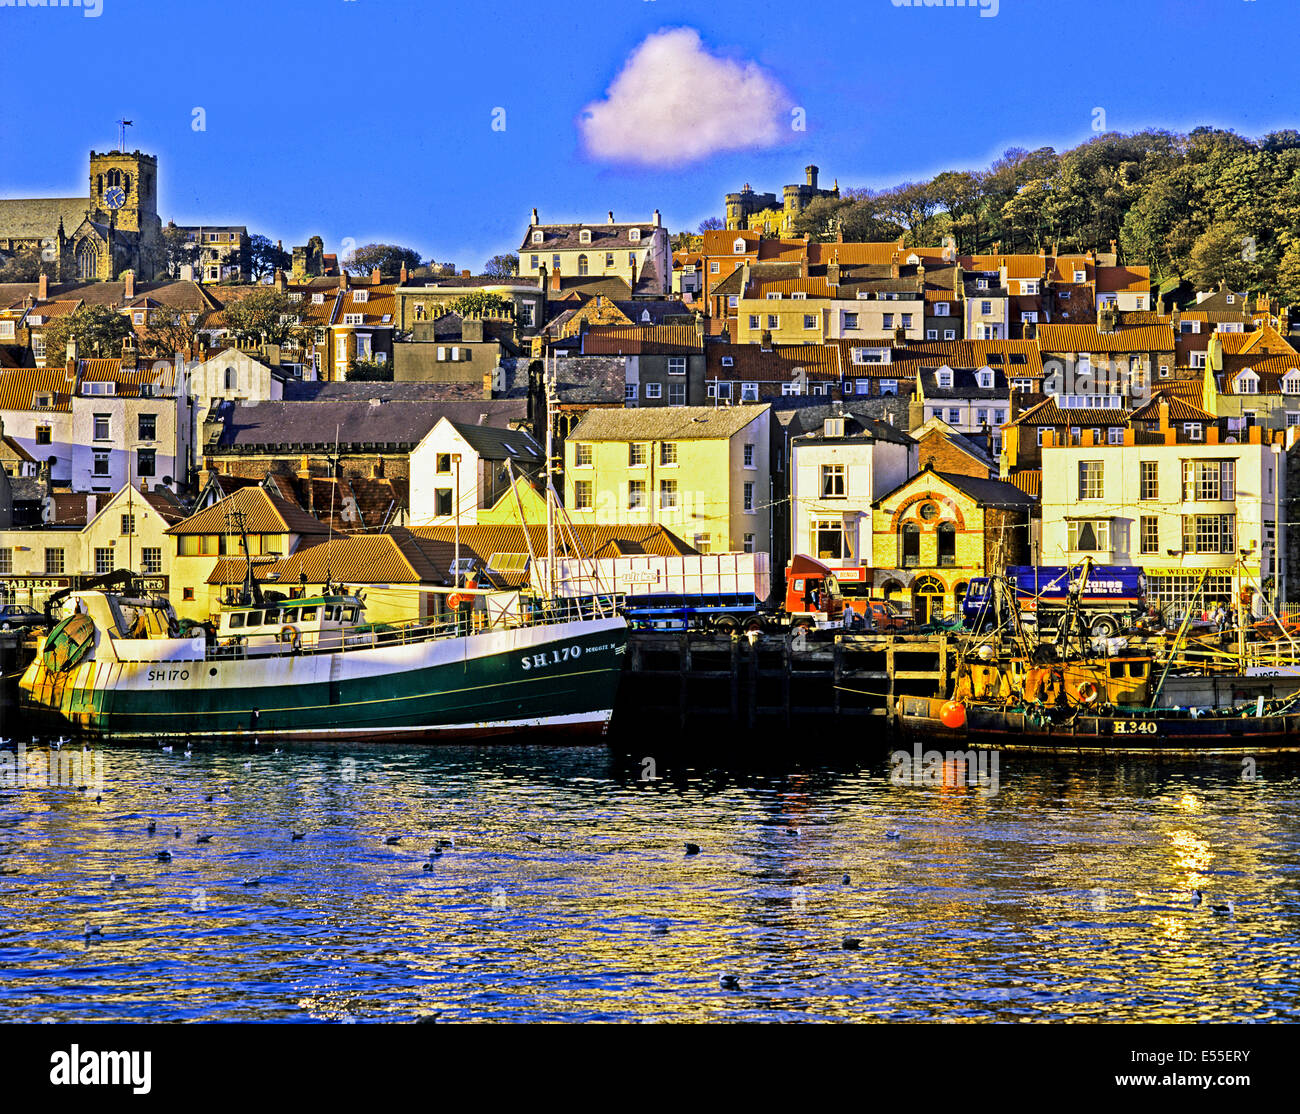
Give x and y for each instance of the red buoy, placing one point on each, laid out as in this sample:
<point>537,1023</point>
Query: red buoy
<point>953,715</point>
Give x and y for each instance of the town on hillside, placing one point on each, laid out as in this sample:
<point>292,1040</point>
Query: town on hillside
<point>189,403</point>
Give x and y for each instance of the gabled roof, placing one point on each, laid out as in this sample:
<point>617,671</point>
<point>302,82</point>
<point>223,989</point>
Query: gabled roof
<point>1180,410</point>
<point>1048,412</point>
<point>643,340</point>
<point>604,237</point>
<point>1088,338</point>
<point>399,557</point>
<point>666,423</point>
<point>777,364</point>
<point>19,386</point>
<point>500,444</point>
<point>483,542</point>
<point>1134,280</point>
<point>264,514</point>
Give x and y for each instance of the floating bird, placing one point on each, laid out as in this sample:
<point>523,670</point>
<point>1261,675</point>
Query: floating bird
<point>167,788</point>
<point>252,881</point>
<point>792,831</point>
<point>277,751</point>
<point>153,827</point>
<point>436,853</point>
<point>729,982</point>
<point>659,930</point>
<point>167,750</point>
<point>1197,898</point>
<point>164,856</point>
<point>392,841</point>
<point>852,943</point>
<point>99,800</point>
<point>248,765</point>
<point>188,751</point>
<point>116,879</point>
<point>692,848</point>
<point>82,788</point>
<point>203,839</point>
<point>177,833</point>
<point>58,743</point>
<point>1224,910</point>
<point>445,844</point>
<point>93,930</point>
<point>845,880</point>
<point>532,838</point>
<point>428,866</point>
<point>295,835</point>
<point>208,797</point>
<point>893,833</point>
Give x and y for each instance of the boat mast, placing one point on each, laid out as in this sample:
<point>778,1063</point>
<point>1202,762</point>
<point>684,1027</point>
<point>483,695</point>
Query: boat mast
<point>548,382</point>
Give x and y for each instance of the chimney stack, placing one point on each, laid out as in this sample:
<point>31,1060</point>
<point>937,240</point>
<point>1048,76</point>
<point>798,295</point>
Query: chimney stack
<point>611,216</point>
<point>534,220</point>
<point>375,277</point>
<point>555,280</point>
<point>765,343</point>
<point>128,285</point>
<point>403,275</point>
<point>541,277</point>
<point>343,279</point>
<point>656,218</point>
<point>281,283</point>
<point>43,287</point>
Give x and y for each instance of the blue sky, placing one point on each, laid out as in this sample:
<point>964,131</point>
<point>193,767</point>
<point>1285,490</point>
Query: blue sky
<point>372,119</point>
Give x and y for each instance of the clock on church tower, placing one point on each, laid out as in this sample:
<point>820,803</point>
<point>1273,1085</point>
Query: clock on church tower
<point>115,197</point>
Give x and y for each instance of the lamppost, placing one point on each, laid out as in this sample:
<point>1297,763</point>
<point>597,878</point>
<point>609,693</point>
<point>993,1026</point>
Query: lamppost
<point>455,459</point>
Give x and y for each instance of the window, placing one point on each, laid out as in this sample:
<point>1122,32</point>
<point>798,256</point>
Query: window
<point>850,321</point>
<point>582,495</point>
<point>941,309</point>
<point>635,495</point>
<point>704,543</point>
<point>538,236</point>
<point>6,561</point>
<point>533,262</point>
<point>629,392</point>
<point>954,416</point>
<point>1090,479</point>
<point>946,537</point>
<point>187,593</point>
<point>44,434</point>
<point>1149,534</point>
<point>1149,484</point>
<point>102,427</point>
<point>54,562</point>
<point>151,560</point>
<point>909,546</point>
<point>148,427</point>
<point>583,264</point>
<point>749,497</point>
<point>584,237</point>
<point>1209,481</point>
<point>828,538</point>
<point>667,494</point>
<point>719,390</point>
<point>981,416</point>
<point>654,390</point>
<point>676,394</point>
<point>986,308</point>
<point>442,503</point>
<point>1080,276</point>
<point>1115,435</point>
<point>943,379</point>
<point>810,321</point>
<point>443,462</point>
<point>145,461</point>
<point>950,334</point>
<point>555,262</point>
<point>1029,286</point>
<point>713,267</point>
<point>582,454</point>
<point>1090,535</point>
<point>887,321</point>
<point>907,320</point>
<point>668,452</point>
<point>833,485</point>
<point>103,560</point>
<point>100,466</point>
<point>636,454</point>
<point>1193,431</point>
<point>753,320</point>
<point>749,455</point>
<point>128,525</point>
<point>749,543</point>
<point>1209,533</point>
<point>773,321</point>
<point>749,392</point>
<point>676,365</point>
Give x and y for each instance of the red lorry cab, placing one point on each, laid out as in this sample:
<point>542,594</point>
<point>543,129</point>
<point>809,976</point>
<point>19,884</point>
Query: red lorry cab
<point>811,591</point>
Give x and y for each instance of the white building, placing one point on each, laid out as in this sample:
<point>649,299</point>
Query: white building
<point>229,374</point>
<point>836,475</point>
<point>1177,507</point>
<point>458,469</point>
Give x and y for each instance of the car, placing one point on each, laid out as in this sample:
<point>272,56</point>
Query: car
<point>15,616</point>
<point>885,614</point>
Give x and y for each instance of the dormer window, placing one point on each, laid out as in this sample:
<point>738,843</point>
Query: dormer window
<point>943,378</point>
<point>634,235</point>
<point>42,401</point>
<point>1291,382</point>
<point>981,284</point>
<point>738,248</point>
<point>353,318</point>
<point>584,237</point>
<point>1247,383</point>
<point>985,378</point>
<point>1080,276</point>
<point>318,299</point>
<point>1232,299</point>
<point>728,361</point>
<point>645,317</point>
<point>295,297</point>
<point>774,297</point>
<point>833,427</point>
<point>360,296</point>
<point>1029,286</point>
<point>800,294</point>
<point>538,236</point>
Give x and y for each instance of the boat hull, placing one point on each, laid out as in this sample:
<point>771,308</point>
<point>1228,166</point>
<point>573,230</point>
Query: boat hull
<point>1159,731</point>
<point>558,679</point>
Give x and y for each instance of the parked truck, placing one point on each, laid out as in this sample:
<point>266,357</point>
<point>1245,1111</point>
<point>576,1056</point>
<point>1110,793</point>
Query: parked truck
<point>718,591</point>
<point>1110,597</point>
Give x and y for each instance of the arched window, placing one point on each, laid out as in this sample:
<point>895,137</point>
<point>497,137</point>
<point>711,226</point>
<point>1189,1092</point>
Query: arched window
<point>947,535</point>
<point>230,379</point>
<point>114,177</point>
<point>909,546</point>
<point>582,264</point>
<point>87,260</point>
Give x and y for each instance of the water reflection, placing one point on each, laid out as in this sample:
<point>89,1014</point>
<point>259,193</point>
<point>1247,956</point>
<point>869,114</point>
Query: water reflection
<point>566,893</point>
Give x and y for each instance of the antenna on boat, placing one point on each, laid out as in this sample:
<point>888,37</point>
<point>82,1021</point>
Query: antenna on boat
<point>251,591</point>
<point>548,383</point>
<point>334,485</point>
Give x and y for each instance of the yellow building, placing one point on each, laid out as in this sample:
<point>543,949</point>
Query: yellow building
<point>273,526</point>
<point>702,472</point>
<point>934,532</point>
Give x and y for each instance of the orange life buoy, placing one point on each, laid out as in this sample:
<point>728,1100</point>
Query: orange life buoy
<point>290,633</point>
<point>1088,692</point>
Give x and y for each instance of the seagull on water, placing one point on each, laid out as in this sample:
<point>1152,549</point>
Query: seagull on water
<point>164,856</point>
<point>428,865</point>
<point>1226,910</point>
<point>393,841</point>
<point>893,833</point>
<point>116,879</point>
<point>177,833</point>
<point>295,835</point>
<point>852,943</point>
<point>203,839</point>
<point>153,827</point>
<point>729,982</point>
<point>1197,898</point>
<point>532,837</point>
<point>167,750</point>
<point>93,930</point>
<point>692,848</point>
<point>208,797</point>
<point>248,765</point>
<point>252,881</point>
<point>659,930</point>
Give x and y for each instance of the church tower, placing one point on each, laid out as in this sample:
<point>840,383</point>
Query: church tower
<point>127,184</point>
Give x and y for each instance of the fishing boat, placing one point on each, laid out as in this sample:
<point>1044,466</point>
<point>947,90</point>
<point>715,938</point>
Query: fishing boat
<point>1023,694</point>
<point>312,668</point>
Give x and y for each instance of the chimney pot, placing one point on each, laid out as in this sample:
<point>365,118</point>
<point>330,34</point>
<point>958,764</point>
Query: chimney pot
<point>611,216</point>
<point>534,220</point>
<point>42,287</point>
<point>375,278</point>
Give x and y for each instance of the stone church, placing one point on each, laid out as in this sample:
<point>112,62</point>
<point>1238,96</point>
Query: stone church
<point>115,228</point>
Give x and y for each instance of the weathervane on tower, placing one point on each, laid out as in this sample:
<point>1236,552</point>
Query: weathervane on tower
<point>122,125</point>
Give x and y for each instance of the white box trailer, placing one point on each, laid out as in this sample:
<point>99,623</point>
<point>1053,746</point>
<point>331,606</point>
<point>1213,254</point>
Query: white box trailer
<point>707,575</point>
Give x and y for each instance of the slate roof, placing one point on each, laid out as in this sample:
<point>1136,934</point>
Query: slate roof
<point>484,541</point>
<point>604,237</point>
<point>28,218</point>
<point>988,493</point>
<point>500,444</point>
<point>666,423</point>
<point>964,385</point>
<point>260,425</point>
<point>856,428</point>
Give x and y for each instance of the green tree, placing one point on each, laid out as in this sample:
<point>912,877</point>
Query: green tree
<point>479,303</point>
<point>167,332</point>
<point>502,266</point>
<point>24,265</point>
<point>264,258</point>
<point>267,316</point>
<point>370,371</point>
<point>98,331</point>
<point>387,257</point>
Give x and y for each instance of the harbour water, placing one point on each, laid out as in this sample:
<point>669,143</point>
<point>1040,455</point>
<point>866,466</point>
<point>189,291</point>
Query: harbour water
<point>1060,889</point>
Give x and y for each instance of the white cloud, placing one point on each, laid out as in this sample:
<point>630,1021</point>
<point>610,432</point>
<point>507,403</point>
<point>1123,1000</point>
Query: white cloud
<point>674,102</point>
